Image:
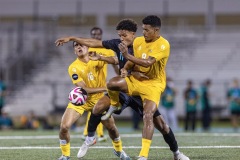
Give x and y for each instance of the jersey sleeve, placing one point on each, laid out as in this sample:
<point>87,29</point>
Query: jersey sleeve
<point>111,44</point>
<point>160,51</point>
<point>74,74</point>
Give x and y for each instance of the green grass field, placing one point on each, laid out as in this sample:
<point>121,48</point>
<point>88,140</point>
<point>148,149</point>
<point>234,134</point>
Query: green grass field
<point>44,145</point>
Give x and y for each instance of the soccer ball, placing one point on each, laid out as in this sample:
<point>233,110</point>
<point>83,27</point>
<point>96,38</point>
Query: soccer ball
<point>77,96</point>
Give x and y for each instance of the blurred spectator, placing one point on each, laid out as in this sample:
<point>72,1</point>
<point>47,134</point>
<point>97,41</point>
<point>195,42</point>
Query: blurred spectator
<point>5,121</point>
<point>191,99</point>
<point>233,96</point>
<point>3,92</point>
<point>168,105</point>
<point>206,107</point>
<point>30,121</point>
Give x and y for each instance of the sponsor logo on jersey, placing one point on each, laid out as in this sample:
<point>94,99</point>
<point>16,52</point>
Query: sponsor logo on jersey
<point>75,76</point>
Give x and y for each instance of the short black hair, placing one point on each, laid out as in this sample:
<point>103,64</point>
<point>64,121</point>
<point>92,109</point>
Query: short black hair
<point>127,24</point>
<point>96,28</point>
<point>152,20</point>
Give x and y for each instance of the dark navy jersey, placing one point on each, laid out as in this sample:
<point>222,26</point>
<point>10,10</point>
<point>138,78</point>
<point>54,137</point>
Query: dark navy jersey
<point>113,45</point>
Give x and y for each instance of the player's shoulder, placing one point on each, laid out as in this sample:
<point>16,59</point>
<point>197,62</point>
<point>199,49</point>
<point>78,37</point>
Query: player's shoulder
<point>138,41</point>
<point>164,41</point>
<point>73,64</point>
<point>112,41</point>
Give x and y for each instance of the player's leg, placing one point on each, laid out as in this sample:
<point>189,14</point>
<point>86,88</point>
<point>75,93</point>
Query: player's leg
<point>85,132</point>
<point>149,108</point>
<point>69,117</point>
<point>115,85</point>
<point>168,136</point>
<point>116,140</point>
<point>95,119</point>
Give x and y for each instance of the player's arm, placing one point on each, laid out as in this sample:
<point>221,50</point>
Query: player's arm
<point>97,57</point>
<point>90,90</point>
<point>141,62</point>
<point>90,42</point>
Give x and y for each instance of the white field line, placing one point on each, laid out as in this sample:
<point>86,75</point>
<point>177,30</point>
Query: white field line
<point>110,147</point>
<point>127,136</point>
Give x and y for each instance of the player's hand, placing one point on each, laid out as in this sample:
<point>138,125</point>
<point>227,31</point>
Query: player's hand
<point>94,56</point>
<point>61,41</point>
<point>124,73</point>
<point>139,76</point>
<point>123,48</point>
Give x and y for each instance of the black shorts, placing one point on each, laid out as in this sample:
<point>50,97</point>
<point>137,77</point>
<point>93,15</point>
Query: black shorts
<point>135,102</point>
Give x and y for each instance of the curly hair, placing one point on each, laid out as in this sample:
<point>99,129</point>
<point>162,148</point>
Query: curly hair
<point>152,20</point>
<point>127,24</point>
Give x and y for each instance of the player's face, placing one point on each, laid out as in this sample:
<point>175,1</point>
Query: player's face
<point>126,36</point>
<point>149,32</point>
<point>96,34</point>
<point>80,50</point>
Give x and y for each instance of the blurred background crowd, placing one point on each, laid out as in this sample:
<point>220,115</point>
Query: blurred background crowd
<point>203,69</point>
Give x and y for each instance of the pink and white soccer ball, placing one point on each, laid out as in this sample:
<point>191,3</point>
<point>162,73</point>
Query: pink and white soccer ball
<point>77,96</point>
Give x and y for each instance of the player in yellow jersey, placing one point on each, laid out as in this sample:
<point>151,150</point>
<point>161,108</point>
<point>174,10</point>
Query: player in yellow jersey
<point>96,33</point>
<point>151,53</point>
<point>90,76</point>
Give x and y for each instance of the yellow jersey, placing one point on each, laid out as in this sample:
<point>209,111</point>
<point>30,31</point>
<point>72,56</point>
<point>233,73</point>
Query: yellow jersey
<point>90,73</point>
<point>160,50</point>
<point>103,52</point>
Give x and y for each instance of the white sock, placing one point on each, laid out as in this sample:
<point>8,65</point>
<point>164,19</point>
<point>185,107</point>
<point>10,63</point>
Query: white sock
<point>89,139</point>
<point>176,153</point>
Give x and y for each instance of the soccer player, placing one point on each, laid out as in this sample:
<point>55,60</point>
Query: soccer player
<point>96,33</point>
<point>151,52</point>
<point>126,30</point>
<point>90,76</point>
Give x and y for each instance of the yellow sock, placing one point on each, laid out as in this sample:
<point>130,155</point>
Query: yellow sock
<point>145,147</point>
<point>65,148</point>
<point>114,96</point>
<point>85,132</point>
<point>117,144</point>
<point>100,130</point>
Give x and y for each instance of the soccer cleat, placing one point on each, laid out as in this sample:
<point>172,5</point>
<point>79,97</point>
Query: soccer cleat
<point>110,111</point>
<point>122,155</point>
<point>142,158</point>
<point>102,139</point>
<point>63,158</point>
<point>84,148</point>
<point>181,156</point>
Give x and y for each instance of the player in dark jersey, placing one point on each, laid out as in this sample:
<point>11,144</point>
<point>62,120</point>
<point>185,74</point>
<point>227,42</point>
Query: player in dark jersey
<point>126,30</point>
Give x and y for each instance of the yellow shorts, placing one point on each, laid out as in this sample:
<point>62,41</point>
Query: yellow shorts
<point>145,90</point>
<point>88,106</point>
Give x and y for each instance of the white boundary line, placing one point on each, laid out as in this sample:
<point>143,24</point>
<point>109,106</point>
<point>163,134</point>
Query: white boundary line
<point>129,147</point>
<point>126,135</point>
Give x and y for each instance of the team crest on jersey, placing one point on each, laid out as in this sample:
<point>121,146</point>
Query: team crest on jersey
<point>75,76</point>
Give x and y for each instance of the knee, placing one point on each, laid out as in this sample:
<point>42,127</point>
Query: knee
<point>111,84</point>
<point>64,128</point>
<point>148,117</point>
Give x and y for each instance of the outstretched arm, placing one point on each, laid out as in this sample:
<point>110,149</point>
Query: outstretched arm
<point>90,42</point>
<point>96,57</point>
